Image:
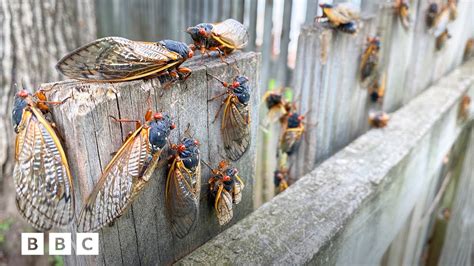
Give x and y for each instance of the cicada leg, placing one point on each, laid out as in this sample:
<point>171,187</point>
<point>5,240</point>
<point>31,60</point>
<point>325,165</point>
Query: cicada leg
<point>137,122</point>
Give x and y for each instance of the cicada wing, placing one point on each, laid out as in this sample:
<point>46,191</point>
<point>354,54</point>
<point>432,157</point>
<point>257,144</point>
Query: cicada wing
<point>182,198</point>
<point>116,59</point>
<point>291,140</point>
<point>238,187</point>
<point>347,12</point>
<point>368,62</point>
<point>282,186</point>
<point>120,183</point>
<point>44,189</point>
<point>231,34</point>
<point>274,114</point>
<point>223,206</point>
<point>235,128</point>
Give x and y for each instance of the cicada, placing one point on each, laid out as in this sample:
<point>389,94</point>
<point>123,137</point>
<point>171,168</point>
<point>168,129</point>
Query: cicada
<point>224,37</point>
<point>127,173</point>
<point>370,59</point>
<point>377,90</point>
<point>442,39</point>
<point>431,14</point>
<point>468,50</point>
<point>280,179</point>
<point>403,10</point>
<point>453,9</point>
<point>235,126</point>
<point>343,17</point>
<point>276,104</point>
<point>378,120</point>
<point>113,59</point>
<point>183,185</point>
<point>440,22</point>
<point>464,107</point>
<point>226,188</point>
<point>292,135</point>
<point>43,182</point>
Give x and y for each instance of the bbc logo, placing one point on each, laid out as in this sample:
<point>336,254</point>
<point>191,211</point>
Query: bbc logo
<point>60,244</point>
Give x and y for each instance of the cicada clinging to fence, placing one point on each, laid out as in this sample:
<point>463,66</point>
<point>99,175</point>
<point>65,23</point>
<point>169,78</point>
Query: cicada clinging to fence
<point>183,185</point>
<point>226,188</point>
<point>43,181</point>
<point>127,173</point>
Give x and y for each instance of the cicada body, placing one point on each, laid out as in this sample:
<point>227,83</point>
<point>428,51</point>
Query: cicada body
<point>292,135</point>
<point>226,188</point>
<point>126,174</point>
<point>280,179</point>
<point>235,126</point>
<point>43,182</point>
<point>464,107</point>
<point>183,186</point>
<point>453,9</point>
<point>403,10</point>
<point>442,39</point>
<point>377,90</point>
<point>370,59</point>
<point>277,106</point>
<point>431,14</point>
<point>225,36</point>
<point>378,120</point>
<point>113,59</point>
<point>342,17</point>
<point>468,50</point>
<point>440,22</point>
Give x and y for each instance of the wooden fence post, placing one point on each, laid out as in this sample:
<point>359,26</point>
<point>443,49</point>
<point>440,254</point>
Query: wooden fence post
<point>142,235</point>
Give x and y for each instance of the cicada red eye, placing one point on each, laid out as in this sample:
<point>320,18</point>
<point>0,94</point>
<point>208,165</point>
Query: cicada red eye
<point>196,142</point>
<point>235,84</point>
<point>158,116</point>
<point>301,118</point>
<point>226,178</point>
<point>173,126</point>
<point>181,147</point>
<point>190,53</point>
<point>22,94</point>
<point>202,31</point>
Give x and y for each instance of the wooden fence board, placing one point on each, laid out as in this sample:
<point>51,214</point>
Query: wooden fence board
<point>142,235</point>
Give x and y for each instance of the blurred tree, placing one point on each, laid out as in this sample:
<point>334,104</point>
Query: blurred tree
<point>33,36</point>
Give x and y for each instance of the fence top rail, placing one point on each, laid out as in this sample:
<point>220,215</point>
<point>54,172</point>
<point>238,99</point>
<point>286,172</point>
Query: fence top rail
<point>305,220</point>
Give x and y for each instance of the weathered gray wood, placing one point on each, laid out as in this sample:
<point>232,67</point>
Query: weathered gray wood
<point>328,91</point>
<point>142,235</point>
<point>33,36</point>
<point>457,248</point>
<point>351,207</point>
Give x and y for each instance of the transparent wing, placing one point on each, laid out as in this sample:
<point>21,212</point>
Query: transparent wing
<point>347,12</point>
<point>291,140</point>
<point>182,198</point>
<point>235,128</point>
<point>44,190</point>
<point>119,184</point>
<point>116,59</point>
<point>231,33</point>
<point>223,206</point>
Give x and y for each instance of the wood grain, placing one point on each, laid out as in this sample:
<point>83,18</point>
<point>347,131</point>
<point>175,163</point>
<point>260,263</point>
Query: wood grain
<point>142,235</point>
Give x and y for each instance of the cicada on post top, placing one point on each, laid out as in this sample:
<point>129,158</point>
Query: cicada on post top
<point>183,186</point>
<point>235,126</point>
<point>342,17</point>
<point>113,59</point>
<point>127,173</point>
<point>224,37</point>
<point>226,188</point>
<point>43,181</point>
